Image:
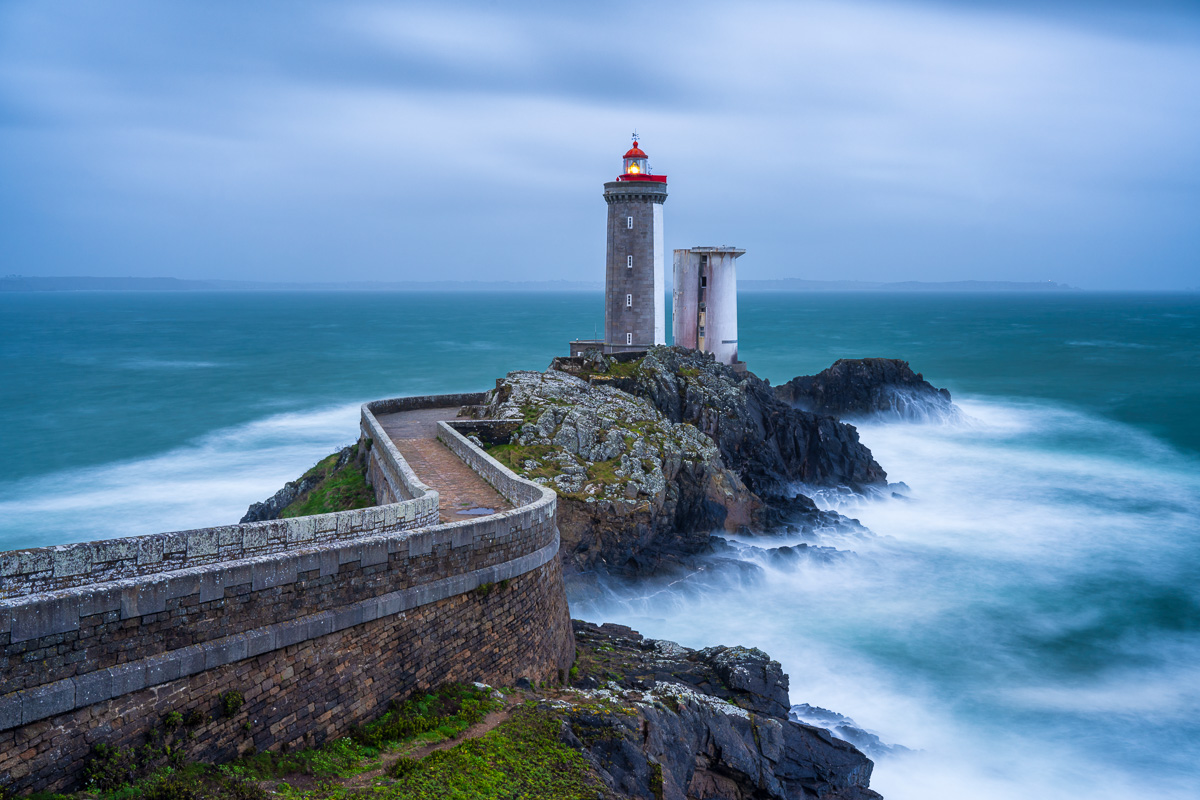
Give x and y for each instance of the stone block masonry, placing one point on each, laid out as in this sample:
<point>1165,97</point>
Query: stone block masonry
<point>317,634</point>
<point>634,317</point>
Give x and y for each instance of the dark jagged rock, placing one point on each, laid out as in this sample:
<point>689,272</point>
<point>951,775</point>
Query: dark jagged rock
<point>864,386</point>
<point>770,444</point>
<point>669,723</point>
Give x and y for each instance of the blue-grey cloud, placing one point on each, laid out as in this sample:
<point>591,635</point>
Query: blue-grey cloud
<point>398,141</point>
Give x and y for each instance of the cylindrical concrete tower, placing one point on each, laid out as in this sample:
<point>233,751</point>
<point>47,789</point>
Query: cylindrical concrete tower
<point>704,305</point>
<point>634,314</point>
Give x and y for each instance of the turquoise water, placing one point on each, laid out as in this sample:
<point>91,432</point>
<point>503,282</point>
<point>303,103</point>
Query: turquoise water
<point>1029,621</point>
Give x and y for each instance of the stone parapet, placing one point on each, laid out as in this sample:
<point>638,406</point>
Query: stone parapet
<point>516,490</point>
<point>103,661</point>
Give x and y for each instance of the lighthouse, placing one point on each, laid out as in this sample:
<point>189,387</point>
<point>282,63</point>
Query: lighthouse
<point>634,280</point>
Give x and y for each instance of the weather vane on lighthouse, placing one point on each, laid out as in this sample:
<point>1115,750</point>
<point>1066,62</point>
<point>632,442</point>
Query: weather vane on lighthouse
<point>635,137</point>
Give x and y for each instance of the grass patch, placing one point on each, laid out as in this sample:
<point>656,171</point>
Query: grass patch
<point>613,369</point>
<point>605,472</point>
<point>521,758</point>
<point>339,488</point>
<point>626,369</point>
<point>185,782</point>
<point>514,457</point>
<point>429,718</point>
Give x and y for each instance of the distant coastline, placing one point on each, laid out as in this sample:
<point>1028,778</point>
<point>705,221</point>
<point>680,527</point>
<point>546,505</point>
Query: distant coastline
<point>801,285</point>
<point>20,283</point>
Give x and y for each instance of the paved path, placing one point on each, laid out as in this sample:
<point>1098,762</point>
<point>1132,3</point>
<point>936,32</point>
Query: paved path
<point>460,489</point>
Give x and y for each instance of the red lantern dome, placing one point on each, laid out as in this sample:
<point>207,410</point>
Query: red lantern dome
<point>635,151</point>
<point>636,167</point>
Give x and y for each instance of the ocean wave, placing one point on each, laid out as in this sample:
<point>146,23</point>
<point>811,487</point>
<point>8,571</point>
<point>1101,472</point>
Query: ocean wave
<point>205,482</point>
<point>1032,589</point>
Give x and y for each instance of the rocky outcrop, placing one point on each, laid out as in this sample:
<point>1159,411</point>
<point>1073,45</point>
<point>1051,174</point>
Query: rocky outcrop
<point>636,490</point>
<point>662,721</point>
<point>770,444</point>
<point>866,386</point>
<point>651,455</point>
<point>352,457</point>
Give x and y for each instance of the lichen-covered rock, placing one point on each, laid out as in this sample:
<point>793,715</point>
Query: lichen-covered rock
<point>864,386</point>
<point>771,445</point>
<point>635,489</point>
<point>662,721</point>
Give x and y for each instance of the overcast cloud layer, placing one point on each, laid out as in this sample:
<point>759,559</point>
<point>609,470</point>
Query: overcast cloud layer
<point>832,140</point>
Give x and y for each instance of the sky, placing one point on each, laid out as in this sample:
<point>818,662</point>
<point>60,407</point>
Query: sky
<point>847,140</point>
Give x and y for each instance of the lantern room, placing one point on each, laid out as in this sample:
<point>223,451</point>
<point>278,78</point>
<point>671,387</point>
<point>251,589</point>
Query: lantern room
<point>635,161</point>
<point>636,167</point>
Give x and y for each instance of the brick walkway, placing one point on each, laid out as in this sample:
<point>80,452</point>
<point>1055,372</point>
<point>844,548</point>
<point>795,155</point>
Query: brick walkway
<point>459,487</point>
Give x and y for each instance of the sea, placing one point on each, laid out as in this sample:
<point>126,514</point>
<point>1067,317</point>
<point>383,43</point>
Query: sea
<point>1021,621</point>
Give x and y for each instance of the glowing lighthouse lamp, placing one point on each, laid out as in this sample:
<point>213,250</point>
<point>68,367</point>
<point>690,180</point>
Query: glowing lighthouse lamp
<point>636,167</point>
<point>635,161</point>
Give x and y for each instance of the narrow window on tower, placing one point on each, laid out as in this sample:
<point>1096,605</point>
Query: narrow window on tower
<point>703,281</point>
<point>629,262</point>
<point>629,222</point>
<point>629,338</point>
<point>629,301</point>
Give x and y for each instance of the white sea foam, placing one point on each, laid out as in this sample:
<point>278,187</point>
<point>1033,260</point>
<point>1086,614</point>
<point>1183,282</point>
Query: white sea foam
<point>912,406</point>
<point>1014,619</point>
<point>208,481</point>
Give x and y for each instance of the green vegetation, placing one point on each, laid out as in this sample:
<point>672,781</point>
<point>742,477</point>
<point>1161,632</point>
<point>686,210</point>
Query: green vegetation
<point>400,756</point>
<point>111,768</point>
<point>612,369</point>
<point>231,702</point>
<point>337,488</point>
<point>605,472</point>
<point>416,722</point>
<point>656,781</point>
<point>602,473</point>
<point>521,758</point>
<point>190,782</point>
<point>514,457</point>
<point>626,369</point>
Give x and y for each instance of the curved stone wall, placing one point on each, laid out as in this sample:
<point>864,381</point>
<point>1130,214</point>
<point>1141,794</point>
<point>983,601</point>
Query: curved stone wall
<point>317,635</point>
